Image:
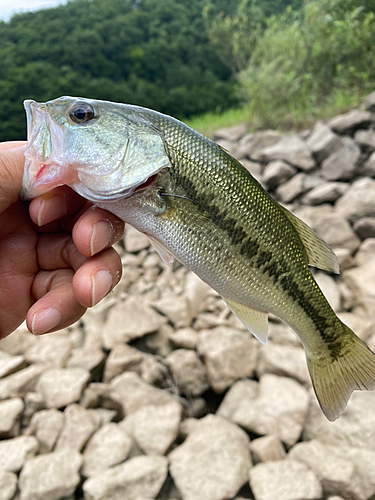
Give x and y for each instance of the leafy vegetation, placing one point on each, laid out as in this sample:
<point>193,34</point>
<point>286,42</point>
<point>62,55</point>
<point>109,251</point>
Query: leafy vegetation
<point>285,62</point>
<point>149,52</point>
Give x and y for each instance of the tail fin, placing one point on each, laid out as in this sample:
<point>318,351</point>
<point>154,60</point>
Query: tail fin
<point>335,378</point>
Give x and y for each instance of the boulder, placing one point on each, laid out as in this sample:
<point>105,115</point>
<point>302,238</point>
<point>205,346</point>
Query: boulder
<point>369,103</point>
<point>186,338</point>
<point>277,405</point>
<point>46,426</point>
<point>87,358</point>
<point>228,354</point>
<point>154,428</point>
<point>354,428</point>
<point>52,349</point>
<point>8,485</point>
<point>361,282</point>
<point>137,478</point>
<point>51,476</point>
<point>325,193</point>
<point>287,479</point>
<point>344,471</point>
<point>130,319</point>
<point>336,232</point>
<point>231,134</point>
<point>213,462</point>
<point>342,164</point>
<point>277,172</point>
<point>20,383</point>
<point>122,358</point>
<point>15,452</point>
<point>323,142</point>
<point>296,186</point>
<point>348,123</point>
<point>291,149</point>
<point>267,448</point>
<point>366,139</point>
<point>188,372</point>
<point>79,425</point>
<point>10,414</point>
<point>109,446</point>
<point>358,201</point>
<point>133,393</point>
<point>365,227</point>
<point>10,364</point>
<point>251,144</point>
<point>283,360</point>
<point>62,386</point>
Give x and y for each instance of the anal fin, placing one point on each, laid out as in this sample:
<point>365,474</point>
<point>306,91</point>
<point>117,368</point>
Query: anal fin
<point>255,321</point>
<point>163,252</point>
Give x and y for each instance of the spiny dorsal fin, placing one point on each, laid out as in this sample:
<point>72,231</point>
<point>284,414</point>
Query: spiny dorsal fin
<point>255,321</point>
<point>319,254</point>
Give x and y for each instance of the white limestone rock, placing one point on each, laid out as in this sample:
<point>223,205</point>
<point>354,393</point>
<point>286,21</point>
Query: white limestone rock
<point>20,383</point>
<point>51,476</point>
<point>154,428</point>
<point>322,141</point>
<point>46,426</point>
<point>15,452</point>
<point>79,425</point>
<point>277,172</point>
<point>325,193</point>
<point>133,393</point>
<point>137,478</point>
<point>109,446</point>
<point>344,471</point>
<point>330,289</point>
<point>62,386</point>
<point>350,122</point>
<point>229,354</point>
<point>231,134</point>
<point>10,364</point>
<point>354,428</point>
<point>10,414</point>
<point>188,372</point>
<point>358,201</point>
<point>285,479</point>
<point>342,164</point>
<point>361,282</point>
<point>52,349</point>
<point>284,360</point>
<point>8,485</point>
<point>277,405</point>
<point>267,448</point>
<point>176,308</point>
<point>134,240</point>
<point>87,358</point>
<point>214,461</point>
<point>122,358</point>
<point>186,338</point>
<point>130,319</point>
<point>336,232</point>
<point>291,149</point>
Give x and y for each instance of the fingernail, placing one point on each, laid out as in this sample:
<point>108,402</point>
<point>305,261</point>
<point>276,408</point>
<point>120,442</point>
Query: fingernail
<point>101,236</point>
<point>101,285</point>
<point>45,320</point>
<point>52,207</point>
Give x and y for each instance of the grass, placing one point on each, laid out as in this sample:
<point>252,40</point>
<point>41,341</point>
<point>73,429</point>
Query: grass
<point>292,118</point>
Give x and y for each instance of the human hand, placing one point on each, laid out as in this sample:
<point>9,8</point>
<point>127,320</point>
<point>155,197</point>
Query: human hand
<point>55,255</point>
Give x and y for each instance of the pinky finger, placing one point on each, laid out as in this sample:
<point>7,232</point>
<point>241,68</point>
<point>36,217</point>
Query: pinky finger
<point>56,306</point>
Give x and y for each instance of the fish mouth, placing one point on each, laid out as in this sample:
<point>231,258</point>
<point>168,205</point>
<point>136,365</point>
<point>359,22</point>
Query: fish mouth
<point>45,166</point>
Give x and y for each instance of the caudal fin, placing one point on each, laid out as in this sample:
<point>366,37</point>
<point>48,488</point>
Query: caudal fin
<point>334,378</point>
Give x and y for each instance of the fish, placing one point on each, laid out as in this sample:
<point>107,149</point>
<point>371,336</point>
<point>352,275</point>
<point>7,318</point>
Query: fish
<point>200,206</point>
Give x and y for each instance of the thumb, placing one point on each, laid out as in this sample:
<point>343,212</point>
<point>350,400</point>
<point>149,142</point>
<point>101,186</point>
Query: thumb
<point>12,161</point>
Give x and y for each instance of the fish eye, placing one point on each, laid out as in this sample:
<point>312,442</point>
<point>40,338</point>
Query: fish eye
<point>81,112</point>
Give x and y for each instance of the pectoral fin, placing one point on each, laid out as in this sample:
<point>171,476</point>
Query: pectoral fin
<point>319,254</point>
<point>255,321</point>
<point>163,252</point>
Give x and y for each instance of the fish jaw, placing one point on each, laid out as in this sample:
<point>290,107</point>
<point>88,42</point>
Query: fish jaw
<point>45,165</point>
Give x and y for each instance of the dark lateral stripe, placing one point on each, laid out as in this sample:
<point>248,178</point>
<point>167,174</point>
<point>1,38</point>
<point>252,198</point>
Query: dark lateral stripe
<point>261,258</point>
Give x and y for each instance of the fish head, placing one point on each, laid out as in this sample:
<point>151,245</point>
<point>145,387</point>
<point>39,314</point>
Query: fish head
<point>103,150</point>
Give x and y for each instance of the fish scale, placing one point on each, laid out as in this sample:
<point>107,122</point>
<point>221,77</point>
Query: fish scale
<point>201,206</point>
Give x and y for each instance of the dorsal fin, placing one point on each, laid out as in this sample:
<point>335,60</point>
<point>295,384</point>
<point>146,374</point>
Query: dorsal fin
<point>319,254</point>
<point>255,321</point>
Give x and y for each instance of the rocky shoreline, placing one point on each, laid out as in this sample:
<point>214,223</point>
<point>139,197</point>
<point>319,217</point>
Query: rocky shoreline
<point>159,392</point>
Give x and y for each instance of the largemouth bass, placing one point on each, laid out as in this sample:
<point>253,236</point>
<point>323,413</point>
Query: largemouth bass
<point>200,206</point>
